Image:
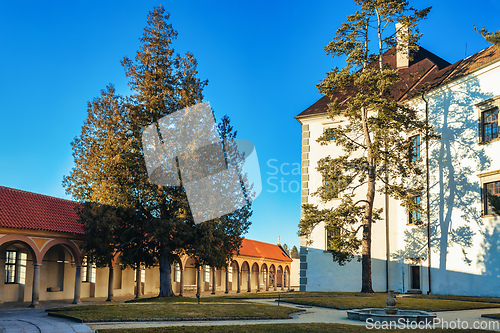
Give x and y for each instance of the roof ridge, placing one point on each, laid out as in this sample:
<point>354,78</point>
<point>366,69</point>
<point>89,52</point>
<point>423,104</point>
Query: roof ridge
<point>36,194</point>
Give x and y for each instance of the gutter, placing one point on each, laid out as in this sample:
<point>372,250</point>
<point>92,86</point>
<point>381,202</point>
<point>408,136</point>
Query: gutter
<point>428,194</point>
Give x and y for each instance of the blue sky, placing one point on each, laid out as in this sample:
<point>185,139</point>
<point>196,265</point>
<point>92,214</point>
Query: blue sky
<point>262,59</point>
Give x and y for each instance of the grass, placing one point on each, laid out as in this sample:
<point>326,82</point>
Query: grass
<point>347,300</point>
<point>279,328</point>
<point>176,307</point>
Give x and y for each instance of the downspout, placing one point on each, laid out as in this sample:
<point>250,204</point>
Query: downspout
<point>428,194</point>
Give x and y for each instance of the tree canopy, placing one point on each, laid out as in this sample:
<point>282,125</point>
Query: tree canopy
<point>110,169</point>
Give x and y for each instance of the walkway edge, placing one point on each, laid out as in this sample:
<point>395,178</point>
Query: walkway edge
<point>123,320</point>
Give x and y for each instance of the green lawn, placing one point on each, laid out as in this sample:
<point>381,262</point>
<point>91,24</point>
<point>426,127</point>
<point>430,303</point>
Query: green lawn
<point>280,328</point>
<point>346,300</point>
<point>176,307</point>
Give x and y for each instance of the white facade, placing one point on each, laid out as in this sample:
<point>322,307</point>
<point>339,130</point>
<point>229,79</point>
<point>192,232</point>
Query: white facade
<point>466,260</point>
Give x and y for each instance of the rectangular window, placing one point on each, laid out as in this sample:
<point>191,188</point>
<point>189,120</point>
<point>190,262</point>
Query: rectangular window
<point>331,190</point>
<point>415,148</point>
<point>23,259</point>
<point>207,273</point>
<point>10,267</point>
<point>491,195</point>
<point>416,212</point>
<point>489,123</point>
<point>230,274</point>
<point>331,235</point>
<point>177,272</point>
<point>85,270</point>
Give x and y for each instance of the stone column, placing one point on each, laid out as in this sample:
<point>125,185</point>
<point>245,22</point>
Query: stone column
<point>198,281</point>
<point>227,281</point>
<point>266,280</point>
<point>274,279</point>
<point>258,281</point>
<point>78,284</point>
<point>213,281</point>
<point>35,296</point>
<point>111,295</point>
<point>138,281</point>
<point>181,287</point>
<point>239,283</point>
<point>249,279</point>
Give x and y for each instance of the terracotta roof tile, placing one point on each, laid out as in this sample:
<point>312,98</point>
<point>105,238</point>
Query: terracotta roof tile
<point>26,210</point>
<point>253,248</point>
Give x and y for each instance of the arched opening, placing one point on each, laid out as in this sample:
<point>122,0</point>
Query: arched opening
<point>190,276</point>
<point>279,277</point>
<point>233,273</point>
<point>272,277</point>
<point>57,273</point>
<point>264,274</point>
<point>254,277</point>
<point>16,271</point>
<point>245,274</point>
<point>287,277</point>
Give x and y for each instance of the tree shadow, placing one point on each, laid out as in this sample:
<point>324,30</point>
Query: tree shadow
<point>454,190</point>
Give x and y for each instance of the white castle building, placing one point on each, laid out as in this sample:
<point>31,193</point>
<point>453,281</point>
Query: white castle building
<point>461,255</point>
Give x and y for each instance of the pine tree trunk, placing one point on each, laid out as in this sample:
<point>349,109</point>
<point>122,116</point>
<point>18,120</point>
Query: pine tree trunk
<point>165,275</point>
<point>366,252</point>
<point>366,243</point>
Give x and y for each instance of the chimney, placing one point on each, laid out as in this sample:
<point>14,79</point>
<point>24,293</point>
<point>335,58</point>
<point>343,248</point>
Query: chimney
<point>402,50</point>
<point>279,243</point>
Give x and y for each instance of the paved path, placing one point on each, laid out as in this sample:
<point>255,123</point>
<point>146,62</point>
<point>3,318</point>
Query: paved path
<point>35,321</point>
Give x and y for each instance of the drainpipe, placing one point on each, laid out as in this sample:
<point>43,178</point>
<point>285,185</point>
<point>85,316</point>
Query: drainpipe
<point>428,194</point>
<point>387,244</point>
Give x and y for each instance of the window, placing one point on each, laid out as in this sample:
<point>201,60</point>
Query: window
<point>177,272</point>
<point>85,270</point>
<point>491,193</point>
<point>415,148</point>
<point>415,215</point>
<point>23,258</point>
<point>10,267</point>
<point>207,273</point>
<point>331,235</point>
<point>330,132</point>
<point>489,124</point>
<point>331,192</point>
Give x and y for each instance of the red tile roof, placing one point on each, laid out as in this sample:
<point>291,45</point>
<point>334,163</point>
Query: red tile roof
<point>253,248</point>
<point>27,210</point>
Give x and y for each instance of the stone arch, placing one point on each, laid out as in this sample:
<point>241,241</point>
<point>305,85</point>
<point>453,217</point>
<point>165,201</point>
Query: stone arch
<point>245,274</point>
<point>279,276</point>
<point>254,276</point>
<point>264,269</point>
<point>30,245</point>
<point>272,276</point>
<point>286,280</point>
<point>70,246</point>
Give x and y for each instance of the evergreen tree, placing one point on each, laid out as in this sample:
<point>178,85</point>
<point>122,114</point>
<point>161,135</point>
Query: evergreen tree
<point>377,152</point>
<point>110,166</point>
<point>294,253</point>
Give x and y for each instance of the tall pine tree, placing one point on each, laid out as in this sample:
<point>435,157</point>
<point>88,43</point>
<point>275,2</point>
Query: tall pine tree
<point>374,141</point>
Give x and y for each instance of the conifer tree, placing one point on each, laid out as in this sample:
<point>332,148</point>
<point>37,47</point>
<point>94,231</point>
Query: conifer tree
<point>377,152</point>
<point>110,166</point>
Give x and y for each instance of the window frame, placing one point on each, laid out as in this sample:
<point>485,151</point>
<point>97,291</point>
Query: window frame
<point>415,211</point>
<point>416,147</point>
<point>484,197</point>
<point>10,264</point>
<point>491,123</point>
<point>489,105</point>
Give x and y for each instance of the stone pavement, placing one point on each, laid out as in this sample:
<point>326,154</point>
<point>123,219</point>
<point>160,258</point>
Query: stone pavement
<point>36,320</point>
